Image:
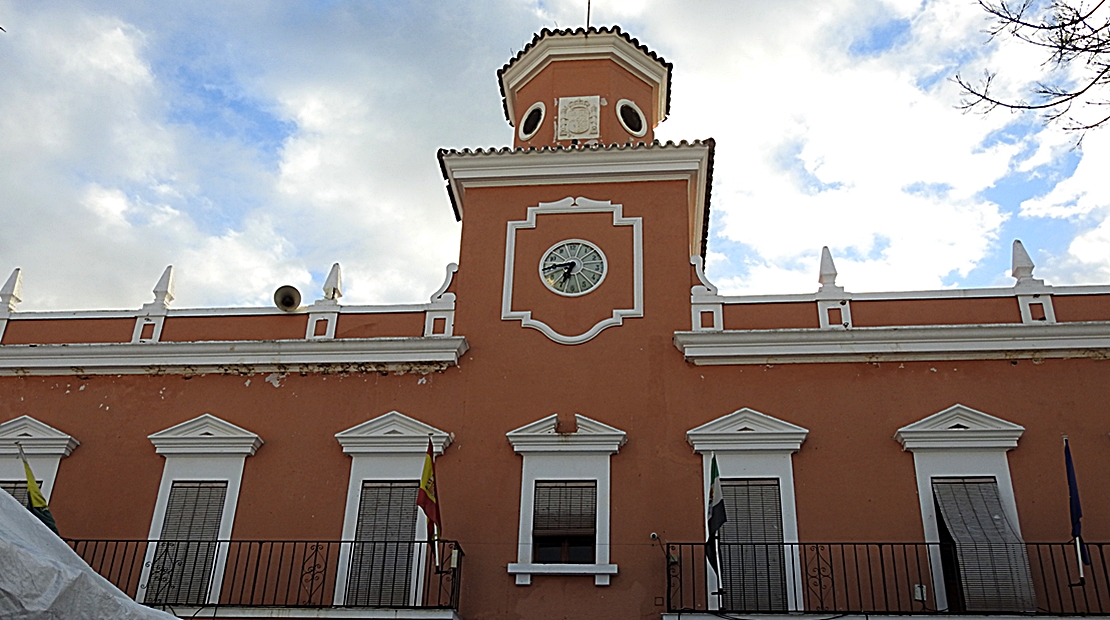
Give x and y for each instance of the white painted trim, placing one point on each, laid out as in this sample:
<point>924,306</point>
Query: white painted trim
<point>643,117</point>
<point>975,451</point>
<point>583,165</point>
<point>44,445</point>
<point>904,343</point>
<point>582,455</point>
<point>556,47</point>
<point>1045,301</point>
<point>208,312</point>
<point>341,354</point>
<point>950,293</point>
<point>845,307</point>
<point>543,117</point>
<point>750,444</point>
<point>575,206</point>
<point>195,450</point>
<point>393,447</point>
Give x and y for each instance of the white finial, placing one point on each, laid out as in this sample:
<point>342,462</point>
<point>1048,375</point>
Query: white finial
<point>163,291</point>
<point>1022,265</point>
<point>827,277</point>
<point>12,293</point>
<point>333,286</point>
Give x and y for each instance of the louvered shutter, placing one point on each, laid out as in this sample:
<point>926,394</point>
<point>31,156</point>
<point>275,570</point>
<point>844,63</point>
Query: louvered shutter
<point>18,490</point>
<point>564,521</point>
<point>993,562</point>
<point>751,552</point>
<point>382,554</point>
<point>182,569</point>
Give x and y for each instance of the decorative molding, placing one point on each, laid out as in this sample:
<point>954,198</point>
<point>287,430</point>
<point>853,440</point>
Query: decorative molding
<point>37,439</point>
<point>236,357</point>
<point>392,433</point>
<point>524,137</point>
<point>574,206</point>
<point>908,343</point>
<point>442,307</point>
<point>579,118</point>
<point>747,430</point>
<point>205,435</point>
<point>962,428</point>
<point>643,117</point>
<point>690,162</point>
<point>591,436</point>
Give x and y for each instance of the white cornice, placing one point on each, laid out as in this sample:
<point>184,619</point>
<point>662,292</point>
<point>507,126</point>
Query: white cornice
<point>599,46</point>
<point>392,433</point>
<point>954,293</point>
<point>216,312</point>
<point>658,162</point>
<point>591,436</point>
<point>339,355</point>
<point>877,344</point>
<point>959,428</point>
<point>37,438</point>
<point>205,435</point>
<point>747,430</point>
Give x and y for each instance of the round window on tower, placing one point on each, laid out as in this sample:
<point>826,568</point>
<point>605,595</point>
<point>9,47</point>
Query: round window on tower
<point>532,121</point>
<point>631,118</point>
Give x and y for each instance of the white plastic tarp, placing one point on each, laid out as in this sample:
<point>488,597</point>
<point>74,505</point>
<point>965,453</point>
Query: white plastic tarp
<point>42,578</point>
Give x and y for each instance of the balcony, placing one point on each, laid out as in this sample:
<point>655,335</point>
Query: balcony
<point>275,578</point>
<point>888,578</point>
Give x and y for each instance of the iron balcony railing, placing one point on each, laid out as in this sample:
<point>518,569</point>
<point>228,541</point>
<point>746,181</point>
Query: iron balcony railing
<point>889,578</point>
<point>236,573</point>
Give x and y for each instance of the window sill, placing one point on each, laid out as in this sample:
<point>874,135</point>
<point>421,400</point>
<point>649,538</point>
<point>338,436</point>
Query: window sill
<point>524,572</point>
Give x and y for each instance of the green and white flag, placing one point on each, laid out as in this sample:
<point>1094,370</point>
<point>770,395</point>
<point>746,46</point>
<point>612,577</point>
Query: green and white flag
<point>716,514</point>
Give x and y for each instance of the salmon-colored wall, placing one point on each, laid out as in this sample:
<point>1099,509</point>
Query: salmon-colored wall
<point>68,331</point>
<point>582,78</point>
<point>935,311</point>
<point>770,316</point>
<point>264,327</point>
<point>1081,307</point>
<point>379,325</point>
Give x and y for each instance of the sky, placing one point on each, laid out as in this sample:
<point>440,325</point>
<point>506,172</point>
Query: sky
<point>253,144</point>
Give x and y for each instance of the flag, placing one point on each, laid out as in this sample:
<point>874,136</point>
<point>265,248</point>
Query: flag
<point>426,497</point>
<point>36,503</point>
<point>1073,504</point>
<point>716,514</point>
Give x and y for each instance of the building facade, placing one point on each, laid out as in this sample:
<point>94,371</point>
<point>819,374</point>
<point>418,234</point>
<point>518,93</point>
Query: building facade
<point>577,376</point>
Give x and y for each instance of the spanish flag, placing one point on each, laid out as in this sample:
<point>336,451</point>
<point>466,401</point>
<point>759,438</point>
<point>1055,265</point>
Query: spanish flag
<point>426,497</point>
<point>36,503</point>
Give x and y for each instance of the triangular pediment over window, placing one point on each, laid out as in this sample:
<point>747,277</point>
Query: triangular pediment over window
<point>393,432</point>
<point>208,435</point>
<point>37,438</point>
<point>959,427</point>
<point>590,436</point>
<point>747,430</point>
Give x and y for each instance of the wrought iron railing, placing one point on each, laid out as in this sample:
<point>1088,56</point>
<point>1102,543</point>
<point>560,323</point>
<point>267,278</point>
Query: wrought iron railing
<point>236,573</point>
<point>888,578</point>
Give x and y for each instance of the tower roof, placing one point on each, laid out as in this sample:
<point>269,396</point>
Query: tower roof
<point>582,44</point>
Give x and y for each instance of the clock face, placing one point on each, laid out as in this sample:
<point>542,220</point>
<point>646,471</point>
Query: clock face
<point>573,267</point>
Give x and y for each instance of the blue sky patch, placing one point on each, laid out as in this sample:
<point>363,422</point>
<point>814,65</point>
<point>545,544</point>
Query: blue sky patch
<point>881,38</point>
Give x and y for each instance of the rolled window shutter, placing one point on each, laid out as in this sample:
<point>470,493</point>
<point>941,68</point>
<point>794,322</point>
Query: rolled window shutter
<point>182,567</point>
<point>382,555</point>
<point>993,561</point>
<point>751,550</point>
<point>565,508</point>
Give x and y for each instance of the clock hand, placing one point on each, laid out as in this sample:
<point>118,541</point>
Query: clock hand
<point>566,265</point>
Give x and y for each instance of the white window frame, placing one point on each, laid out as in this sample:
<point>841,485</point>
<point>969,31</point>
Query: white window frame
<point>44,445</point>
<point>751,444</point>
<point>548,455</point>
<point>958,442</point>
<point>205,448</point>
<point>390,447</point>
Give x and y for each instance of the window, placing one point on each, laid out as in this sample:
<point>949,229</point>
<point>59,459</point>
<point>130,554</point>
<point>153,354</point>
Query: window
<point>757,547</point>
<point>383,552</point>
<point>564,522</point>
<point>18,489</point>
<point>751,552</point>
<point>182,569</point>
<point>968,511</point>
<point>564,499</point>
<point>985,562</point>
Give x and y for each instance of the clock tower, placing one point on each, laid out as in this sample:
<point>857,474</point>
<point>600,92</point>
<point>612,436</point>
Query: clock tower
<point>587,224</point>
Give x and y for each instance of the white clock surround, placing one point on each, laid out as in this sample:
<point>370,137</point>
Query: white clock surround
<point>573,206</point>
